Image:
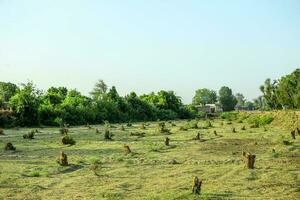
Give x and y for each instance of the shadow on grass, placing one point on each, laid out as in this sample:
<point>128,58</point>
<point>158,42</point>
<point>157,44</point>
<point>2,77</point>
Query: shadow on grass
<point>70,168</point>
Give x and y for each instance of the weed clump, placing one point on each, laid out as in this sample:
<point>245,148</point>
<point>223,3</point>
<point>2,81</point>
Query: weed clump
<point>215,133</point>
<point>29,135</point>
<point>63,159</point>
<point>197,136</point>
<point>68,140</point>
<point>208,124</point>
<point>142,126</point>
<point>97,130</point>
<point>129,124</point>
<point>197,186</point>
<point>1,131</point>
<point>138,134</point>
<point>233,130</point>
<point>9,147</point>
<point>243,128</point>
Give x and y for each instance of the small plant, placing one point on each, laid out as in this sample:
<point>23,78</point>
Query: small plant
<point>1,131</point>
<point>95,168</point>
<point>233,130</point>
<point>129,124</point>
<point>298,131</point>
<point>197,136</point>
<point>240,121</point>
<point>29,135</point>
<point>9,147</point>
<point>275,154</point>
<point>193,125</point>
<point>138,134</point>
<point>63,159</point>
<point>107,134</point>
<point>229,123</point>
<point>34,174</point>
<point>97,130</point>
<point>215,133</point>
<point>68,140</point>
<point>182,128</point>
<point>243,128</point>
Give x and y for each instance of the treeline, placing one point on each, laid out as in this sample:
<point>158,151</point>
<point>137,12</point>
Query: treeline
<point>28,106</point>
<point>58,106</point>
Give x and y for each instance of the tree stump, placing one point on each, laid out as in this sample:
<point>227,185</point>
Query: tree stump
<point>233,130</point>
<point>249,160</point>
<point>197,185</point>
<point>215,133</point>
<point>298,131</point>
<point>9,147</point>
<point>127,149</point>
<point>167,141</point>
<point>293,134</point>
<point>63,159</point>
<point>243,128</point>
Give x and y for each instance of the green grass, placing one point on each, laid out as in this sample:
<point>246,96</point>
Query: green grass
<point>31,172</point>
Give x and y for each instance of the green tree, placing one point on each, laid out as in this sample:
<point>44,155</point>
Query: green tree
<point>25,104</point>
<point>288,90</point>
<point>7,90</point>
<point>99,90</point>
<point>269,90</point>
<point>227,99</point>
<point>240,99</point>
<point>204,96</point>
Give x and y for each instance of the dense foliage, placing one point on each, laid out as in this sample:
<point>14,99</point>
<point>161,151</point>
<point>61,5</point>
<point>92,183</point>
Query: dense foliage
<point>282,93</point>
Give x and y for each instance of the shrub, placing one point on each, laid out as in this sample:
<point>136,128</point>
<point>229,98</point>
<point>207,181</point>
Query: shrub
<point>230,116</point>
<point>193,124</point>
<point>257,121</point>
<point>68,140</point>
<point>29,135</point>
<point>207,124</point>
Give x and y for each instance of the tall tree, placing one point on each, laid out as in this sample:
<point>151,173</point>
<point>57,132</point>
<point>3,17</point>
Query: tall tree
<point>204,96</point>
<point>7,90</point>
<point>227,99</point>
<point>240,99</point>
<point>99,90</point>
<point>269,90</point>
<point>25,104</point>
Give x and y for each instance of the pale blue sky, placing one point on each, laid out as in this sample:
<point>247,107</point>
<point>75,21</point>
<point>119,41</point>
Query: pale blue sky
<point>146,46</point>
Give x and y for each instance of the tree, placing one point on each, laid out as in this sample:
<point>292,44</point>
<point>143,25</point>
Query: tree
<point>288,90</point>
<point>99,90</point>
<point>269,90</point>
<point>227,99</point>
<point>25,104</point>
<point>240,99</point>
<point>7,90</point>
<point>204,96</point>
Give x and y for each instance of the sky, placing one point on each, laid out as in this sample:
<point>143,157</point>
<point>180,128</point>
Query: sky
<point>145,46</point>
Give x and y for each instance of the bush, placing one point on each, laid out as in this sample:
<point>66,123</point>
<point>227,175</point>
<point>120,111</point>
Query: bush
<point>230,116</point>
<point>258,121</point>
<point>68,140</point>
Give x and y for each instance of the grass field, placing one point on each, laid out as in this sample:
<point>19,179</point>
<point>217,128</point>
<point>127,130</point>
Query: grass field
<point>153,170</point>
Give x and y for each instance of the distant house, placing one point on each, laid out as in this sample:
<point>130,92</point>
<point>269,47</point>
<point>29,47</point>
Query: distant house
<point>209,108</point>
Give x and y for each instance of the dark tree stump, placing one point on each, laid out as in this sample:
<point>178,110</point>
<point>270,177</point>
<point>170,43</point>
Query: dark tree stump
<point>167,141</point>
<point>9,147</point>
<point>298,131</point>
<point>215,132</point>
<point>197,185</point>
<point>127,149</point>
<point>293,134</point>
<point>233,130</point>
<point>63,159</point>
<point>249,160</point>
